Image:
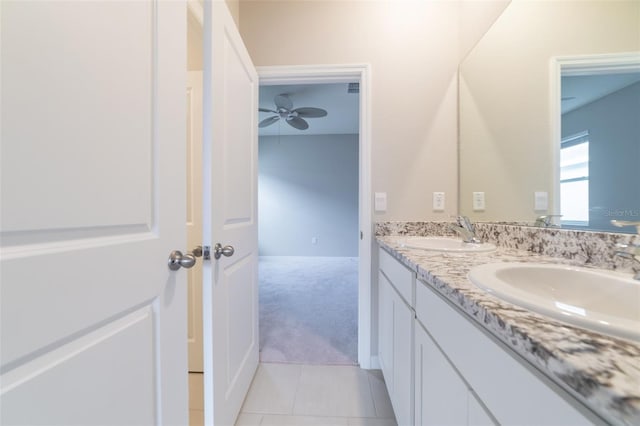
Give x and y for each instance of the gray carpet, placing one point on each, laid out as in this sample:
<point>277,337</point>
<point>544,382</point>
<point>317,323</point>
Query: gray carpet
<point>309,310</point>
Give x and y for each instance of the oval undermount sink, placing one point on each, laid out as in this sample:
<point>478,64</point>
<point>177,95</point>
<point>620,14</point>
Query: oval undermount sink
<point>603,301</point>
<point>447,244</point>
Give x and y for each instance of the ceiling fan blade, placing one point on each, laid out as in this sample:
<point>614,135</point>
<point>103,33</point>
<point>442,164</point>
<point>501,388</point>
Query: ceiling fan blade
<point>269,120</point>
<point>283,101</point>
<point>267,110</point>
<point>298,123</point>
<point>310,112</point>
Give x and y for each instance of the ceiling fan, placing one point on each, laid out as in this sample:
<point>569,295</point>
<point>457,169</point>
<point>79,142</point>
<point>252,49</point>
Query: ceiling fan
<point>294,117</point>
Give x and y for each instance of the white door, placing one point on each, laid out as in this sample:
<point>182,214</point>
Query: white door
<point>230,217</point>
<point>93,323</point>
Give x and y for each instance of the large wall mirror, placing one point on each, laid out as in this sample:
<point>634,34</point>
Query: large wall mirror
<point>550,115</point>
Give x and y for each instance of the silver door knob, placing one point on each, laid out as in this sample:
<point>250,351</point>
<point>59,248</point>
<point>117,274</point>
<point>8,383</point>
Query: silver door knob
<point>218,251</point>
<point>178,260</point>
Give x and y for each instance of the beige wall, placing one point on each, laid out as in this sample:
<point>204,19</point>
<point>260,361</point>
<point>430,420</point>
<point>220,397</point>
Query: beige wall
<point>234,8</point>
<point>194,43</point>
<point>414,48</point>
<point>505,118</point>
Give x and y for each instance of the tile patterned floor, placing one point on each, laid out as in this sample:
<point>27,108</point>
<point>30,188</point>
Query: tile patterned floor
<point>316,395</point>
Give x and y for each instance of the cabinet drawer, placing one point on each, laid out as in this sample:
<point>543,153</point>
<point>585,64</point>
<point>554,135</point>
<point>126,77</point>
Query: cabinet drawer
<point>402,278</point>
<point>508,386</point>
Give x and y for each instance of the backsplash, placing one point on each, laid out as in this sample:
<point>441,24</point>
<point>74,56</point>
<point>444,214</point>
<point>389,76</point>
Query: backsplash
<point>581,247</point>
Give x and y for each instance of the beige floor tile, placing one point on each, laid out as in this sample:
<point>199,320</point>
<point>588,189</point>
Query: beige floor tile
<point>339,391</point>
<point>273,389</point>
<point>248,419</point>
<point>280,420</point>
<point>360,421</point>
<point>380,395</point>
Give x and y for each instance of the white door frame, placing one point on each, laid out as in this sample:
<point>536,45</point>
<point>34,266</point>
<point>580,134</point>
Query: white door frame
<point>606,63</point>
<point>325,74</point>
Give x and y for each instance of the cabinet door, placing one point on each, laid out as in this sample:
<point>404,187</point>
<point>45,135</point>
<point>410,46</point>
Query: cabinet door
<point>385,330</point>
<point>440,394</point>
<point>513,393</point>
<point>402,361</point>
<point>477,414</point>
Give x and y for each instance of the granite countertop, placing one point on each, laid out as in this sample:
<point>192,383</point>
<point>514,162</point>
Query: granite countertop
<point>601,371</point>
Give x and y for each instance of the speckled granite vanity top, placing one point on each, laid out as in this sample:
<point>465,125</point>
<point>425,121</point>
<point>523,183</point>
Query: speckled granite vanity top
<point>603,372</point>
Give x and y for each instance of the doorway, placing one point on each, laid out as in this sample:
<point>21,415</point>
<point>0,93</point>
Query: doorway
<point>594,125</point>
<point>308,215</point>
<point>330,74</point>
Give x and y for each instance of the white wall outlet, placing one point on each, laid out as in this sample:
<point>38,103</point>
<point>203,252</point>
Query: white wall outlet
<point>541,201</point>
<point>380,202</point>
<point>478,201</point>
<point>438,201</point>
<point>314,240</point>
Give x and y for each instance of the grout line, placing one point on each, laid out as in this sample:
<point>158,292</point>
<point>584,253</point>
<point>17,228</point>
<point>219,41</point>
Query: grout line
<point>373,399</point>
<point>375,407</point>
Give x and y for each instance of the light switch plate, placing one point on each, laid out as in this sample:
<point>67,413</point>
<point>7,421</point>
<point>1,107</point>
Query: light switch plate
<point>478,201</point>
<point>541,201</point>
<point>380,202</point>
<point>438,201</point>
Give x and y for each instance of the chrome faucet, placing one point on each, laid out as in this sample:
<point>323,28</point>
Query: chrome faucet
<point>466,230</point>
<point>545,221</point>
<point>632,250</point>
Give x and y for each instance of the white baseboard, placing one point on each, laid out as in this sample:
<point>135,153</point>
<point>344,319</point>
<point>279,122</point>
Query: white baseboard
<point>375,363</point>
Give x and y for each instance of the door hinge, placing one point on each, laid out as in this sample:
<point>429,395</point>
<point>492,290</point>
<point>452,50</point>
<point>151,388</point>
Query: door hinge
<point>361,235</point>
<point>206,252</point>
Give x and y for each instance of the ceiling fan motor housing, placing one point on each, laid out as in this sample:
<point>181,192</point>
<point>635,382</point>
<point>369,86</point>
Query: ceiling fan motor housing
<point>285,111</point>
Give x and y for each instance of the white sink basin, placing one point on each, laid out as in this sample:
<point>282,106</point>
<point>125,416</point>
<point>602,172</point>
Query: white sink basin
<point>447,244</point>
<point>603,301</point>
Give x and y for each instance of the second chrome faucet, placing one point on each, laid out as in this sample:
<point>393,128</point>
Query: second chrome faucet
<point>466,230</point>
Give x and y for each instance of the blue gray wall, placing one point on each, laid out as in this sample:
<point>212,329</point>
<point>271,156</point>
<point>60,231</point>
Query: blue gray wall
<point>613,123</point>
<point>308,188</point>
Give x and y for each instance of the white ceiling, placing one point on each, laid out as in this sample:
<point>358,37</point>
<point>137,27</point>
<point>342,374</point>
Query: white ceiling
<point>581,90</point>
<point>342,108</point>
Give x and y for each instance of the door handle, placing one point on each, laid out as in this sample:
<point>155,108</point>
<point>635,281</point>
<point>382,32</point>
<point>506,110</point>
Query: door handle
<point>178,260</point>
<point>218,251</point>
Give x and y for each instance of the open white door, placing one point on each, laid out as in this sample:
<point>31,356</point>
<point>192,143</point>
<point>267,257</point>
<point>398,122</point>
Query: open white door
<point>93,323</point>
<point>230,290</point>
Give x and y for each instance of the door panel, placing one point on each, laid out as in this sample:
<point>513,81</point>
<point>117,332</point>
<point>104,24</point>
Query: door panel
<point>238,164</point>
<point>240,316</point>
<point>92,194</point>
<point>48,375</point>
<point>54,92</point>
<point>230,216</point>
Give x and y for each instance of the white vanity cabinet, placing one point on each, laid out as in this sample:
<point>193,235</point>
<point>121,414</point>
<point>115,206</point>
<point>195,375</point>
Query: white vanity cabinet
<point>510,390</point>
<point>441,368</point>
<point>396,290</point>
<point>442,397</point>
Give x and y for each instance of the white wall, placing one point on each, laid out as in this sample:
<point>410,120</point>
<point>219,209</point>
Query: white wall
<point>308,187</point>
<point>613,123</point>
<point>413,48</point>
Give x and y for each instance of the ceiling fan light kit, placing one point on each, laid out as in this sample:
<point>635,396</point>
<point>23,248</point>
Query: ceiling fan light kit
<point>294,117</point>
